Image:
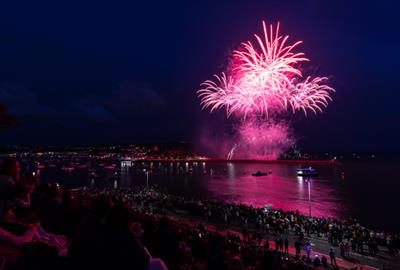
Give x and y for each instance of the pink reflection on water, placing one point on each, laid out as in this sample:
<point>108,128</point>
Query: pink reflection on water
<point>282,189</point>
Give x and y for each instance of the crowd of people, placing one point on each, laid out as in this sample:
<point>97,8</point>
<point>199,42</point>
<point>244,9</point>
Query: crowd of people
<point>347,234</point>
<point>140,228</point>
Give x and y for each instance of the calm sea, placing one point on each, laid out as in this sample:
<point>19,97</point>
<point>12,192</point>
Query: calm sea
<point>366,190</point>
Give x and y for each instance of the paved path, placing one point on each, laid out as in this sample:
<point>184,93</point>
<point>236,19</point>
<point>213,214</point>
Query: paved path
<point>320,246</point>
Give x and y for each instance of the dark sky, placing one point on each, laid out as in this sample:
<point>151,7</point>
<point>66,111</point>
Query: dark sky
<point>118,71</point>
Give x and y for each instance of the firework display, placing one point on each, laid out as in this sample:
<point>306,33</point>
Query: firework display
<point>265,81</point>
<point>265,78</point>
<point>263,139</point>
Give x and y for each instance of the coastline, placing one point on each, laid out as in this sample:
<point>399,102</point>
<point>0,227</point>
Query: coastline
<point>220,160</point>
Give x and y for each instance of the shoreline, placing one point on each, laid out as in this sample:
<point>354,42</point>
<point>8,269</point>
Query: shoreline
<point>192,213</point>
<point>230,202</point>
<point>220,160</point>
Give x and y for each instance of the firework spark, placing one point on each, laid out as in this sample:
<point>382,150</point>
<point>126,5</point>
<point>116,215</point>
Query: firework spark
<point>266,78</point>
<point>264,81</point>
<point>264,139</point>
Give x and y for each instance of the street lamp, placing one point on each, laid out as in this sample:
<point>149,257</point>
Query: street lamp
<point>147,177</point>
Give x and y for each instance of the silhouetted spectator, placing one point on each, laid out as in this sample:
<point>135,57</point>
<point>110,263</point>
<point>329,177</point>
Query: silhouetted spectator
<point>286,245</point>
<point>308,249</point>
<point>316,261</point>
<point>324,261</point>
<point>333,257</point>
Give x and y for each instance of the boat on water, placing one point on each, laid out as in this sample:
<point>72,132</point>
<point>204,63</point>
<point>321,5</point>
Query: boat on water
<point>115,177</point>
<point>82,166</point>
<point>259,173</point>
<point>110,167</point>
<point>39,166</point>
<point>68,168</point>
<point>310,171</point>
<point>93,175</point>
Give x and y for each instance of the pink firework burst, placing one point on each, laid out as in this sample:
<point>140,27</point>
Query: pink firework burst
<point>264,139</point>
<point>266,78</point>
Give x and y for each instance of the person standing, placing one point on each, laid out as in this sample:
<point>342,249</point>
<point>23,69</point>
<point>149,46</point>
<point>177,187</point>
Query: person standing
<point>266,244</point>
<point>297,246</point>
<point>245,234</point>
<point>286,246</point>
<point>360,246</point>
<point>259,238</point>
<point>226,219</point>
<point>346,249</point>
<point>324,262</point>
<point>308,249</point>
<point>353,245</point>
<point>341,247</point>
<point>333,257</point>
<point>280,244</point>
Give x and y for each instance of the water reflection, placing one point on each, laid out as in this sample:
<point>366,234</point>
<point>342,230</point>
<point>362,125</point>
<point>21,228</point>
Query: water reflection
<point>306,181</point>
<point>367,186</point>
<point>228,181</point>
<point>231,171</point>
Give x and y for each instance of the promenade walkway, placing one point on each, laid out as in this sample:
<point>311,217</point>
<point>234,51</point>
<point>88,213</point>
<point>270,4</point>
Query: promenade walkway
<point>320,246</point>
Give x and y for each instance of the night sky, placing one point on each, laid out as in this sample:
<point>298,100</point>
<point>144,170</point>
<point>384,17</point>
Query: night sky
<point>80,72</point>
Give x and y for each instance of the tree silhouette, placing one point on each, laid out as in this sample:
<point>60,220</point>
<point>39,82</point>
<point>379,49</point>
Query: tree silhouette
<point>6,119</point>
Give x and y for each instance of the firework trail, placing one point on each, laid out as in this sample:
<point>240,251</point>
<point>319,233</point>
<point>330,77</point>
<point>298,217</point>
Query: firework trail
<point>232,151</point>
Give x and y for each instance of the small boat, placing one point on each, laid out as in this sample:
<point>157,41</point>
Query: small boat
<point>39,166</point>
<point>82,166</point>
<point>307,172</point>
<point>67,169</point>
<point>259,173</point>
<point>93,175</point>
<point>115,177</point>
<point>110,167</point>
